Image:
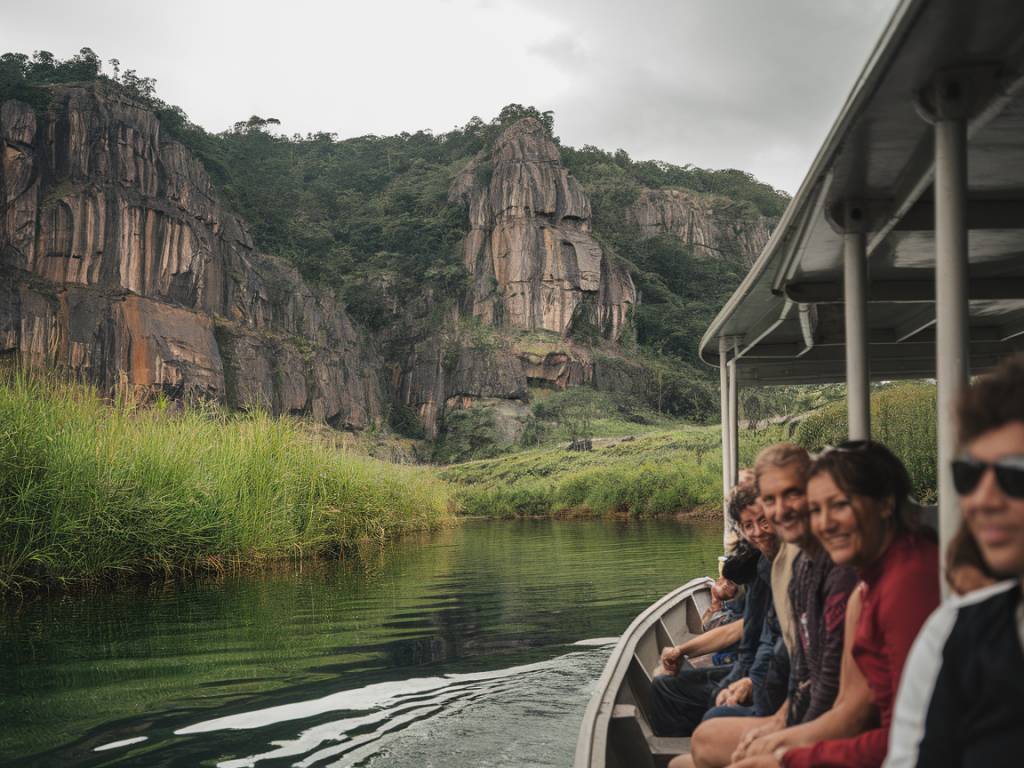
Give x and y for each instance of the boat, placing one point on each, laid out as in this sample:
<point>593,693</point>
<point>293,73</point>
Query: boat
<point>616,732</point>
<point>921,178</point>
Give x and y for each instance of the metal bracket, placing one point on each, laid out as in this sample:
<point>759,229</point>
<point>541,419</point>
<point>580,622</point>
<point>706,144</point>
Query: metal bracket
<point>960,93</point>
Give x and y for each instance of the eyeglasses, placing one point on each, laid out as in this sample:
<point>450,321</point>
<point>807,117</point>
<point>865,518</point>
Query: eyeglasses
<point>967,473</point>
<point>761,522</point>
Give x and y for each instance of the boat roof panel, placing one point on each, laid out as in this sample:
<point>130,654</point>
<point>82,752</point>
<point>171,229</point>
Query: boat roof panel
<point>786,317</point>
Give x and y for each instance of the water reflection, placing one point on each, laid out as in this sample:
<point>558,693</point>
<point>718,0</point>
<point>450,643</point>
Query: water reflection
<point>486,614</point>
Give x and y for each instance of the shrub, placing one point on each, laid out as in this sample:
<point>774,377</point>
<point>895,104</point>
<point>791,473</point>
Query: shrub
<point>903,416</point>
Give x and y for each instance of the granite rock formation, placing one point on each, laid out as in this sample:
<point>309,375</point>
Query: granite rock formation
<point>118,265</point>
<point>534,262</point>
<point>709,224</point>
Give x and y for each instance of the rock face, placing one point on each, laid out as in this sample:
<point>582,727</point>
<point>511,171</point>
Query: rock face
<point>709,224</point>
<point>118,264</point>
<point>534,262</point>
<point>434,381</point>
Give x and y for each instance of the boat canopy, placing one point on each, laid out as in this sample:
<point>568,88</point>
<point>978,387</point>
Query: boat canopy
<point>902,253</point>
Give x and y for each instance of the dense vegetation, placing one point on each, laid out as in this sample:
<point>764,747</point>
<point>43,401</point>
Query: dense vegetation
<point>91,490</point>
<point>659,473</point>
<point>903,417</point>
<point>667,470</point>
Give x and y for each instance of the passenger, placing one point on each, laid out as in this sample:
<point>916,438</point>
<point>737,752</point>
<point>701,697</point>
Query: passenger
<point>722,609</point>
<point>679,701</point>
<point>965,568</point>
<point>718,645</point>
<point>817,597</point>
<point>858,497</point>
<point>961,700</point>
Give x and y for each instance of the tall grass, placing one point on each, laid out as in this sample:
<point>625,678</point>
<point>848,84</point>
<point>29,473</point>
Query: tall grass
<point>903,417</point>
<point>646,476</point>
<point>90,490</point>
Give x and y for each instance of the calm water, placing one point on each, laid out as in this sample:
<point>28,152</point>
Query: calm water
<point>476,646</point>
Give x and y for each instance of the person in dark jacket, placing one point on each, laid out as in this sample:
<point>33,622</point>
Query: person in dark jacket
<point>961,699</point>
<point>818,591</point>
<point>679,701</point>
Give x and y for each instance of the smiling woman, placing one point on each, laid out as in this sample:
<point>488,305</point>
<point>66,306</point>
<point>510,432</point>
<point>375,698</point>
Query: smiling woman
<point>858,498</point>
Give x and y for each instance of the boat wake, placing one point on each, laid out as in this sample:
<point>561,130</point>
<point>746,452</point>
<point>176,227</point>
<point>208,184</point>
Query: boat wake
<point>470,714</point>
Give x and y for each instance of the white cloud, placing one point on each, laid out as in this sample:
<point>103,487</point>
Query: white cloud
<point>749,84</point>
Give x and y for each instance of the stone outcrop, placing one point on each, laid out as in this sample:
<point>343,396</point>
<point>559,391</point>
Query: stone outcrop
<point>709,224</point>
<point>534,262</point>
<point>119,265</point>
<point>433,380</point>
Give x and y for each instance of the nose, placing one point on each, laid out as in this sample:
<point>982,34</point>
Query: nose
<point>826,520</point>
<point>987,494</point>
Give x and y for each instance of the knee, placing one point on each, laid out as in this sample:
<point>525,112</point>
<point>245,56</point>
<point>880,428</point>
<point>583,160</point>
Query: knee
<point>658,685</point>
<point>703,743</point>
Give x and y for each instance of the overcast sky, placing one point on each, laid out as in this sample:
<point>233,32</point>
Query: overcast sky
<point>750,84</point>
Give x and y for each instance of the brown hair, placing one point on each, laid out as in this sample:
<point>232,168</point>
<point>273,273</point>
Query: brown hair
<point>992,400</point>
<point>963,550</point>
<point>782,455</point>
<point>743,497</point>
<point>869,469</point>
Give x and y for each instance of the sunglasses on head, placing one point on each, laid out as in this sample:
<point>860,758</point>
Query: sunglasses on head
<point>967,473</point>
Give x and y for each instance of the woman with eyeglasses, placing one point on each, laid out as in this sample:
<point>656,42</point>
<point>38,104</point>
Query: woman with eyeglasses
<point>961,701</point>
<point>860,510</point>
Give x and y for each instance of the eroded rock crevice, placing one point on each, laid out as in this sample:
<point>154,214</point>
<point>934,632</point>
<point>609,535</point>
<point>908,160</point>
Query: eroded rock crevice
<point>120,266</point>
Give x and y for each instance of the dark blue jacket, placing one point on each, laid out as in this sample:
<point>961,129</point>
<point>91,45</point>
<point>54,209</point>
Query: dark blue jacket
<point>759,599</point>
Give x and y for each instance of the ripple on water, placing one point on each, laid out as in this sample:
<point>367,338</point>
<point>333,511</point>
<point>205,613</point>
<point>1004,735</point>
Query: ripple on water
<point>457,650</point>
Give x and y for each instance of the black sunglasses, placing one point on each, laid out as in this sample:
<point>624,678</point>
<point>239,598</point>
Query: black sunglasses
<point>967,473</point>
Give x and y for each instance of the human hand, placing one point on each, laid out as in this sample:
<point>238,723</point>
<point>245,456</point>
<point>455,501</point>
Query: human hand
<point>773,725</point>
<point>722,697</point>
<point>769,743</point>
<point>670,659</point>
<point>761,761</point>
<point>740,692</point>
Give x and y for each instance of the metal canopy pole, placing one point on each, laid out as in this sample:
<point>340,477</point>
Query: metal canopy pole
<point>952,333</point>
<point>723,386</point>
<point>855,314</point>
<point>734,416</point>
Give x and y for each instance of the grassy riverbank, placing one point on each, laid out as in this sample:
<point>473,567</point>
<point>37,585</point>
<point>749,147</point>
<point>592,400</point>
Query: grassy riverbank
<point>679,469</point>
<point>648,475</point>
<point>93,491</point>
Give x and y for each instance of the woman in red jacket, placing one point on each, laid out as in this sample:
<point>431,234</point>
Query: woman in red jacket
<point>860,510</point>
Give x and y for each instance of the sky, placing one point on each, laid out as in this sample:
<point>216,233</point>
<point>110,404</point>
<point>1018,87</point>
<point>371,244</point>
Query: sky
<point>748,84</point>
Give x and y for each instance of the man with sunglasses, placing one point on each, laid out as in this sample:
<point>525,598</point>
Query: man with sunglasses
<point>961,699</point>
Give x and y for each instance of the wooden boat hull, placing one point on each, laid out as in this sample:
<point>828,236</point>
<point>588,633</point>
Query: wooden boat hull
<point>616,731</point>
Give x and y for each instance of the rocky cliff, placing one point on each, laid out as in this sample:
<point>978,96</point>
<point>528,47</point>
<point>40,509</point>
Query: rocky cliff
<point>118,265</point>
<point>709,224</point>
<point>534,262</point>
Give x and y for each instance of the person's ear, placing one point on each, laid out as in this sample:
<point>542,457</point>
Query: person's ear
<point>888,508</point>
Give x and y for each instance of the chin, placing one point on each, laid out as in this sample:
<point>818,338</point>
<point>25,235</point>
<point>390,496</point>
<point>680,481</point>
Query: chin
<point>843,556</point>
<point>1004,563</point>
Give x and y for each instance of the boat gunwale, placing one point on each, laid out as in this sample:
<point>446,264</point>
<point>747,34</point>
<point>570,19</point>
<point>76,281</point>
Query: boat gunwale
<point>597,715</point>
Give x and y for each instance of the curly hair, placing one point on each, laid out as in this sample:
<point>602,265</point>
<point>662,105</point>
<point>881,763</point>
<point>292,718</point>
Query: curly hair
<point>743,496</point>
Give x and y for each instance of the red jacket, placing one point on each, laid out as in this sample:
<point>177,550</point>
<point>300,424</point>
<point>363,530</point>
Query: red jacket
<point>902,589</point>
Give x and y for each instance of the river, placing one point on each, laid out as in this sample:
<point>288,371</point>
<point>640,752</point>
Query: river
<point>474,646</point>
